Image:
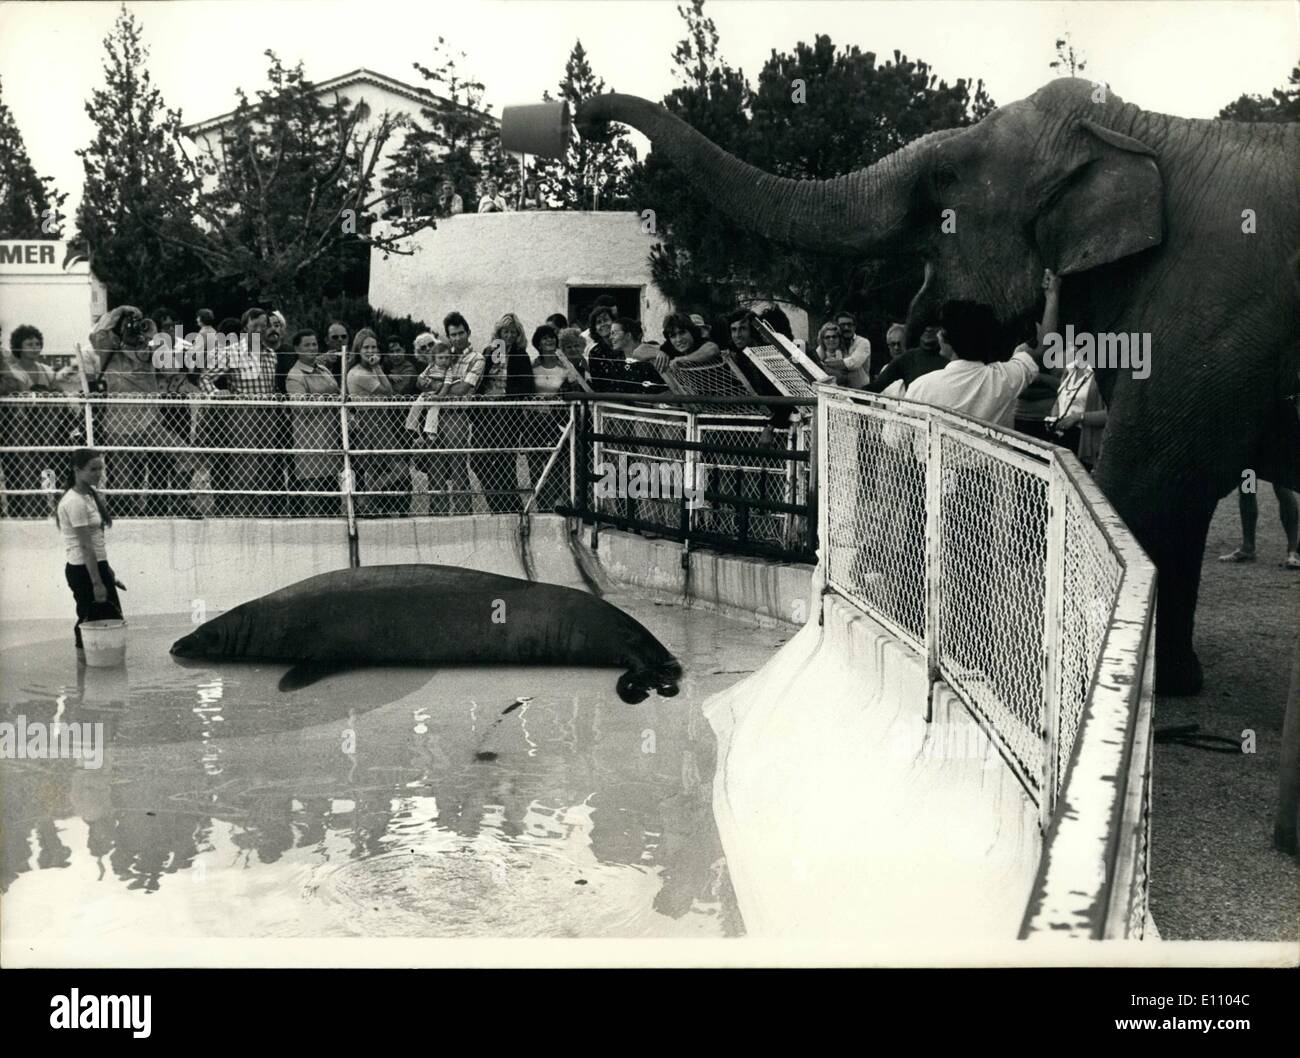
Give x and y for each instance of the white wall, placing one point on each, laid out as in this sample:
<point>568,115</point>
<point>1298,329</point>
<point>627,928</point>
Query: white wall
<point>169,564</point>
<point>485,265</point>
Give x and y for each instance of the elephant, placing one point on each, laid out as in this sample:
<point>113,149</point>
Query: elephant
<point>1184,230</point>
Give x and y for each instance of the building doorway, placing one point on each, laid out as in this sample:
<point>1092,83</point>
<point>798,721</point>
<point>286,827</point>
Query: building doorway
<point>583,299</point>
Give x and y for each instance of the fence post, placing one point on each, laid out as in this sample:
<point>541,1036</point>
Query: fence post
<point>598,424</point>
<point>933,551</point>
<point>1053,616</point>
<point>825,536</point>
<point>345,485</point>
<point>691,475</point>
<point>812,490</point>
<point>581,486</point>
<point>573,455</point>
<point>85,397</point>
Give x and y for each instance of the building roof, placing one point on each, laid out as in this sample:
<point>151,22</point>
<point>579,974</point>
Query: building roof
<point>360,76</point>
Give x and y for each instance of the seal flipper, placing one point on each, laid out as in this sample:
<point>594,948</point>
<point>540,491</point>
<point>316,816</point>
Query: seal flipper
<point>632,687</point>
<point>305,673</point>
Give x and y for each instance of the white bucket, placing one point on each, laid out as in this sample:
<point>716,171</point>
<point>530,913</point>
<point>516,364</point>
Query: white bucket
<point>105,643</point>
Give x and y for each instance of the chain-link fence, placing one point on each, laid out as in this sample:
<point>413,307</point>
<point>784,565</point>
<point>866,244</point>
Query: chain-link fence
<point>1000,563</point>
<point>747,489</point>
<point>873,546</point>
<point>736,477</point>
<point>295,457</point>
<point>993,514</point>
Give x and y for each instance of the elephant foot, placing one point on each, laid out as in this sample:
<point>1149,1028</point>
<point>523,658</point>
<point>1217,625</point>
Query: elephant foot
<point>1179,676</point>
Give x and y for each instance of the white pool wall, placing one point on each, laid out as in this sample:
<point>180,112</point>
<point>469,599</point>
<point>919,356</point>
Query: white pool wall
<point>171,565</point>
<point>843,815</point>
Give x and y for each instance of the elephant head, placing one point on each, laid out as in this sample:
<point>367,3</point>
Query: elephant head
<point>1044,182</point>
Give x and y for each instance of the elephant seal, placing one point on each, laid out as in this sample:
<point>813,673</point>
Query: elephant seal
<point>432,615</point>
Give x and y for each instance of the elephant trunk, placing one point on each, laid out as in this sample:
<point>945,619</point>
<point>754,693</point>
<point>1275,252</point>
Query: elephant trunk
<point>865,212</point>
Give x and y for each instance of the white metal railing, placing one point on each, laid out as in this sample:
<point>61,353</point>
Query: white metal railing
<point>997,560</point>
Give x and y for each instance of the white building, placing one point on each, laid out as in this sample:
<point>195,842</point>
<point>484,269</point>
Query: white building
<point>36,288</point>
<point>379,94</point>
<point>532,264</point>
<point>484,265</point>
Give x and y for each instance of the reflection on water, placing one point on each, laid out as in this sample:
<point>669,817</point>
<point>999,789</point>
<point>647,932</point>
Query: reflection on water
<point>360,805</point>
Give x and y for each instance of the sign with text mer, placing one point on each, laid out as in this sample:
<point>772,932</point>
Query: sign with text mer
<point>31,256</point>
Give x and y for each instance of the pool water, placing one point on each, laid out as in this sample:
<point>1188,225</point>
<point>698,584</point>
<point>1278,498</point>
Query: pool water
<point>379,802</point>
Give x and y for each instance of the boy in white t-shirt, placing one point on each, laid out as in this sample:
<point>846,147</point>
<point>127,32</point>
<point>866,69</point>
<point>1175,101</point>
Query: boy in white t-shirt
<point>82,516</point>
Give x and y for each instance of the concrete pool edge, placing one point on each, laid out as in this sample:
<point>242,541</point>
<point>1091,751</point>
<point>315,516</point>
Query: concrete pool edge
<point>161,561</point>
<point>731,584</point>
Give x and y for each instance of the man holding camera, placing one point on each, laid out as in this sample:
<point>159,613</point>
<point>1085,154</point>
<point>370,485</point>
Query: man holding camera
<point>124,340</point>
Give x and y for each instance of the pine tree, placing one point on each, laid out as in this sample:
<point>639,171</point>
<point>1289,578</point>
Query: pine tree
<point>594,171</point>
<point>1283,105</point>
<point>695,262</point>
<point>136,180</point>
<point>29,204</point>
<point>848,112</point>
<point>456,140</point>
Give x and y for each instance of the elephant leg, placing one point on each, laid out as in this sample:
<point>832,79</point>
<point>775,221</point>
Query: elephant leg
<point>1175,540</point>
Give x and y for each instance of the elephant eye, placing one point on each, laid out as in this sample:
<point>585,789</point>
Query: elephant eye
<point>945,175</point>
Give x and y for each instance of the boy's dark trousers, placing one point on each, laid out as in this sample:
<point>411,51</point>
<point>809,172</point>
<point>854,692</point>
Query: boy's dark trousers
<point>83,590</point>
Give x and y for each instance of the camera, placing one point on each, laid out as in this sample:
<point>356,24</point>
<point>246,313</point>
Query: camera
<point>133,331</point>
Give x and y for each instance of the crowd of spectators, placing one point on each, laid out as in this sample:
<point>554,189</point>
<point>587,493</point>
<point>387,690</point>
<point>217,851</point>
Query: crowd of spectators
<point>271,392</point>
<point>491,198</point>
<point>275,379</point>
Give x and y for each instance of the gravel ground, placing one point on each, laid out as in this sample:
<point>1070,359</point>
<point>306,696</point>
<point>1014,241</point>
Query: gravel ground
<point>1215,875</point>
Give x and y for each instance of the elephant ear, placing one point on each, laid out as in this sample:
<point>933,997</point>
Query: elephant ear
<point>1108,207</point>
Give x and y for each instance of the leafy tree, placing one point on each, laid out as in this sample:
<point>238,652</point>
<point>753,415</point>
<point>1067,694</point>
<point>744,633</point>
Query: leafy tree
<point>596,164</point>
<point>357,312</point>
<point>1068,62</point>
<point>456,140</point>
<point>29,204</point>
<point>817,112</point>
<point>136,180</point>
<point>286,197</point>
<point>1283,105</point>
<point>695,261</point>
<point>854,112</point>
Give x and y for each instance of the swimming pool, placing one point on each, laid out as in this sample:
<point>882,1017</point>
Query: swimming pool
<point>394,802</point>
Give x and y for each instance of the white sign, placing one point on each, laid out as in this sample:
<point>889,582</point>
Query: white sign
<point>31,256</point>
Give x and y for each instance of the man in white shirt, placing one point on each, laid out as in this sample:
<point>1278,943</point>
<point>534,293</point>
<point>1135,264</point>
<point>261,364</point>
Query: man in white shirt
<point>969,385</point>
